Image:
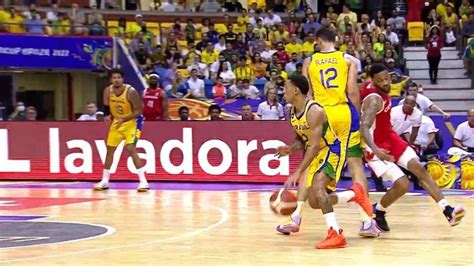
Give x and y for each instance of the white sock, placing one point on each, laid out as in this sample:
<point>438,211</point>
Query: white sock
<point>141,175</point>
<point>345,196</point>
<point>331,221</point>
<point>443,204</point>
<point>299,209</point>
<point>379,207</point>
<point>105,176</point>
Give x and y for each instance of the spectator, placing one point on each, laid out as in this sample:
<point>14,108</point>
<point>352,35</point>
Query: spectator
<point>168,6</point>
<point>221,45</point>
<point>210,6</point>
<point>393,68</point>
<point>209,55</point>
<point>236,90</point>
<point>31,13</point>
<point>426,140</point>
<point>178,29</point>
<point>31,113</point>
<point>398,24</point>
<point>260,27</point>
<point>154,5</point>
<point>240,46</point>
<point>218,90</point>
<point>61,26</point>
<point>450,19</point>
<point>232,6</point>
<point>203,69</point>
<point>215,112</point>
<point>434,19</point>
<point>52,14</point>
<point>213,35</point>
<point>259,67</point>
<point>271,109</point>
<point>206,22</point>
<point>78,20</point>
<point>468,28</point>
<point>283,57</point>
<point>267,55</point>
<point>16,21</point>
<point>190,54</point>
<point>392,36</point>
<point>246,113</point>
<point>142,57</point>
<point>95,22</point>
<point>132,5</point>
<point>294,46</point>
<point>228,52</point>
<point>256,45</point>
<point>423,102</point>
<point>287,110</point>
<point>19,113</point>
<point>174,57</point>
<point>190,32</point>
<point>468,58</point>
<point>272,82</point>
<point>242,71</point>
<point>201,46</point>
<point>196,85</point>
<point>398,84</point>
<point>291,67</point>
<point>249,91</point>
<point>346,11</point>
<point>170,77</point>
<point>243,20</point>
<point>227,75</point>
<point>183,113</point>
<point>465,8</point>
<point>434,43</point>
<point>158,57</point>
<point>464,136</point>
<point>379,46</point>
<point>155,102</point>
<point>216,66</point>
<point>34,24</point>
<point>91,112</point>
<point>376,20</point>
<point>271,19</point>
<point>442,8</point>
<point>406,116</point>
<point>312,25</point>
<point>171,41</point>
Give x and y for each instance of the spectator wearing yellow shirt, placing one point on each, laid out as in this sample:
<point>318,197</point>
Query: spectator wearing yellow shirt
<point>280,35</point>
<point>61,26</point>
<point>4,15</point>
<point>398,84</point>
<point>134,27</point>
<point>16,20</point>
<point>442,8</point>
<point>308,45</point>
<point>242,20</point>
<point>260,3</point>
<point>346,11</point>
<point>465,8</point>
<point>451,19</point>
<point>243,71</point>
<point>209,55</point>
<point>294,46</point>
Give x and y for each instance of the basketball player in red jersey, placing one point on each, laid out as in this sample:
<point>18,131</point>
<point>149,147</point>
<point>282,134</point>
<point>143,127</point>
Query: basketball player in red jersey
<point>155,102</point>
<point>386,152</point>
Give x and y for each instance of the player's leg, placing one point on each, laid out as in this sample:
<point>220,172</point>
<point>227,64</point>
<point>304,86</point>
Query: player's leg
<point>409,160</point>
<point>132,136</point>
<point>113,140</point>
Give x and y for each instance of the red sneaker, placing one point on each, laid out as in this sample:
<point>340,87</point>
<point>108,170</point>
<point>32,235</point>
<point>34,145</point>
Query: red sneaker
<point>361,198</point>
<point>332,240</point>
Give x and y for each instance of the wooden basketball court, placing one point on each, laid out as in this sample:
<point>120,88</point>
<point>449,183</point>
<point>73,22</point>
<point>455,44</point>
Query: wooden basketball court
<point>210,224</point>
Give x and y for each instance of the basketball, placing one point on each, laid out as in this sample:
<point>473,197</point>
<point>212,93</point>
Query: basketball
<point>283,202</point>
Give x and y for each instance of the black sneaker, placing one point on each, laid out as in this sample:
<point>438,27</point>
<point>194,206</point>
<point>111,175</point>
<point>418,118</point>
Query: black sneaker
<point>379,217</point>
<point>379,184</point>
<point>454,215</point>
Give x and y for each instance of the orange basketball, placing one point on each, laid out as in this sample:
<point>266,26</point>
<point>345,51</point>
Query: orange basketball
<point>283,202</point>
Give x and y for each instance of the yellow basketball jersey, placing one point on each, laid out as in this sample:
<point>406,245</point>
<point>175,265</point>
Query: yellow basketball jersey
<point>120,106</point>
<point>328,73</point>
<point>300,124</point>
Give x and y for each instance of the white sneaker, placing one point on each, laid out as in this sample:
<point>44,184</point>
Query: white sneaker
<point>143,187</point>
<point>101,186</point>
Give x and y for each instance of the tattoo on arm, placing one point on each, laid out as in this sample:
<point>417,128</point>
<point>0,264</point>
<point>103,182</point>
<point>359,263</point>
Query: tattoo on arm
<point>370,107</point>
<point>137,105</point>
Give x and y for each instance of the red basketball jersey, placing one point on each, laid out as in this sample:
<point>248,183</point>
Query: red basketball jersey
<point>153,104</point>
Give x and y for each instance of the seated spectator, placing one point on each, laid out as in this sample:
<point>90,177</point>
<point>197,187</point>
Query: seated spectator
<point>426,139</point>
<point>190,54</point>
<point>31,13</point>
<point>346,11</point>
<point>218,90</point>
<point>16,21</point>
<point>61,26</point>
<point>171,41</point>
<point>183,113</point>
<point>243,20</point>
<point>196,86</point>
<point>263,30</point>
<point>177,29</point>
<point>393,68</point>
<point>203,69</point>
<point>246,113</point>
<point>287,110</point>
<point>31,113</point>
<point>19,114</point>
<point>423,102</point>
<point>434,19</point>
<point>398,84</point>
<point>257,43</point>
<point>451,18</point>
<point>283,57</point>
<point>291,66</point>
<point>392,36</point>
<point>168,6</point>
<point>279,34</point>
<point>158,57</point>
<point>174,57</point>
<point>398,23</point>
<point>209,55</point>
<point>243,71</point>
<point>465,8</point>
<point>221,45</point>
<point>272,82</point>
<point>464,136</point>
<point>227,75</point>
<point>142,56</point>
<point>190,32</point>
<point>312,25</point>
<point>52,14</point>
<point>267,55</point>
<point>271,109</point>
<point>215,112</point>
<point>294,46</point>
<point>308,46</point>
<point>139,38</point>
<point>90,114</point>
<point>228,52</point>
<point>259,67</point>
<point>95,22</point>
<point>230,35</point>
<point>468,58</point>
<point>406,116</point>
<point>213,35</point>
<point>78,20</point>
<point>216,66</point>
<point>468,28</point>
<point>236,90</point>
<point>34,24</point>
<point>209,6</point>
<point>249,91</point>
<point>240,46</point>
<point>201,46</point>
<point>271,19</point>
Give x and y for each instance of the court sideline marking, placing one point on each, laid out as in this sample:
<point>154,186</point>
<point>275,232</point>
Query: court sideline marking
<point>224,218</point>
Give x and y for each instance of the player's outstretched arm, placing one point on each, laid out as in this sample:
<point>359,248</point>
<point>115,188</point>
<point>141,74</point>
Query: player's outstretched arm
<point>370,107</point>
<point>137,105</point>
<point>352,88</point>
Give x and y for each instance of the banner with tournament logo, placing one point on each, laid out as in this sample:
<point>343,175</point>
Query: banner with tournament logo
<point>467,172</point>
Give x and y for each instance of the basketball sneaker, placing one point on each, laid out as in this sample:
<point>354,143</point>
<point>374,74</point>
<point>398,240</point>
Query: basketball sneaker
<point>291,225</point>
<point>143,187</point>
<point>361,198</point>
<point>379,217</point>
<point>332,240</point>
<point>454,215</point>
<point>101,186</point>
<point>369,230</point>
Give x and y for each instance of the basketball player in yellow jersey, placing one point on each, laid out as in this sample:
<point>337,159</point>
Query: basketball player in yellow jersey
<point>123,103</point>
<point>315,136</point>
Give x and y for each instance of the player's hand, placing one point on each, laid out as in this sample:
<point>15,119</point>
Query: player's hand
<point>119,123</point>
<point>283,151</point>
<point>292,179</point>
<point>446,116</point>
<point>107,120</point>
<point>384,155</point>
